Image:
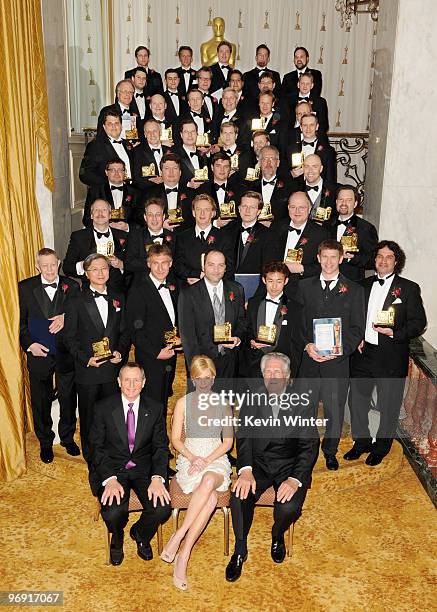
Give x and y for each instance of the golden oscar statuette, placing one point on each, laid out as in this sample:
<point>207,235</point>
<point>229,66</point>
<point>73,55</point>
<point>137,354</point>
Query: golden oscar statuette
<point>259,123</point>
<point>201,174</point>
<point>223,333</point>
<point>202,140</point>
<point>267,334</point>
<point>322,214</point>
<point>385,318</point>
<point>266,212</point>
<point>106,249</point>
<point>132,134</point>
<point>172,339</point>
<point>148,170</point>
<point>118,214</point>
<point>337,349</point>
<point>350,243</point>
<point>208,49</point>
<point>101,350</point>
<point>227,210</point>
<point>297,159</point>
<point>234,161</point>
<point>166,134</point>
<point>294,256</point>
<point>175,215</point>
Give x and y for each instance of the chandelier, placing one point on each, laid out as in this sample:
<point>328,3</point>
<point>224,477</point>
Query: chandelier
<point>348,8</point>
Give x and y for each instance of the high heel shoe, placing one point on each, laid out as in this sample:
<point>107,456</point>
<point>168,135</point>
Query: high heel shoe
<point>165,556</point>
<point>179,584</point>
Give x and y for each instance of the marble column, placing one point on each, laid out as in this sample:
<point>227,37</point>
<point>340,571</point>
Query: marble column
<point>401,194</point>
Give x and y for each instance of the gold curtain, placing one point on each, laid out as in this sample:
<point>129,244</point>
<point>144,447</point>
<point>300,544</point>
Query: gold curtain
<point>24,134</point>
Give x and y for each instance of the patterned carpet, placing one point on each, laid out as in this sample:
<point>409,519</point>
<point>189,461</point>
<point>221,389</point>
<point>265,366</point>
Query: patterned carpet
<point>366,541</point>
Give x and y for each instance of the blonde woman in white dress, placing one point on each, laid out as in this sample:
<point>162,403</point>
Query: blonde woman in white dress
<point>202,465</point>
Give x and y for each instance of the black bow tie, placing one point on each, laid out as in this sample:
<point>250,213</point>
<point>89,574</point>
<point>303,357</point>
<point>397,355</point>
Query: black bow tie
<point>309,144</point>
<point>54,285</point>
<point>186,70</point>
<point>272,182</point>
<point>114,188</point>
<point>225,116</point>
<point>117,141</point>
<point>154,236</point>
<point>217,187</point>
<point>228,151</point>
<point>381,281</point>
<point>156,150</point>
<point>272,301</point>
<point>345,223</point>
<point>162,286</point>
<point>101,234</point>
<point>224,66</point>
<point>294,229</point>
<point>193,153</point>
<point>308,188</point>
<point>303,99</point>
<point>126,110</point>
<point>194,114</point>
<point>171,189</point>
<point>173,93</point>
<point>246,229</point>
<point>139,95</point>
<point>260,70</point>
<point>96,295</point>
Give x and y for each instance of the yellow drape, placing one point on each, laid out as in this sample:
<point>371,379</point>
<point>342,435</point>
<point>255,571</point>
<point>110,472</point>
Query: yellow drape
<point>24,131</point>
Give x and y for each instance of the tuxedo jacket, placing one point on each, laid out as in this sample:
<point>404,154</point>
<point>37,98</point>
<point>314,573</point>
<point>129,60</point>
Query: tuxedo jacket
<point>143,156</point>
<point>325,195</point>
<point>84,325</point>
<point>410,321</point>
<point>318,104</point>
<point>218,80</point>
<point>367,241</point>
<point>133,110</point>
<point>346,300</point>
<point>232,192</point>
<point>110,449</point>
<point>289,339</point>
<point>258,250</point>
<point>245,158</point>
<point>185,196</point>
<point>279,198</point>
<point>154,80</point>
<point>290,80</point>
<point>310,238</point>
<point>240,120</point>
<point>187,168</point>
<point>273,127</point>
<point>214,105</point>
<point>136,253</point>
<point>283,450</point>
<point>35,305</point>
<point>251,77</point>
<point>170,112</point>
<point>97,154</point>
<point>207,125</point>
<point>103,191</point>
<point>82,243</point>
<point>182,89</point>
<point>326,153</point>
<point>189,250</point>
<point>197,323</point>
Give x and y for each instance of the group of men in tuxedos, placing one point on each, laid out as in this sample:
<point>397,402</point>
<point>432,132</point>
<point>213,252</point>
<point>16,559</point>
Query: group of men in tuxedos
<point>136,276</point>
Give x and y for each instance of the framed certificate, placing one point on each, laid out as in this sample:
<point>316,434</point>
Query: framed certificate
<point>328,336</point>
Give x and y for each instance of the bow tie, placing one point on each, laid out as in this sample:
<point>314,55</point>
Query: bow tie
<point>260,70</point>
<point>186,70</point>
<point>173,93</point>
<point>303,99</point>
<point>171,189</point>
<point>308,144</point>
<point>308,188</point>
<point>117,141</point>
<point>97,295</point>
<point>228,151</point>
<point>345,223</point>
<point>381,281</point>
<point>139,95</point>
<point>272,182</point>
<point>272,301</point>
<point>114,188</point>
<point>154,236</point>
<point>161,121</point>
<point>217,187</point>
<point>224,67</point>
<point>225,116</point>
<point>156,150</point>
<point>101,234</point>
<point>126,110</point>
<point>162,286</point>
<point>193,153</point>
<point>294,229</point>
<point>246,229</point>
<point>54,285</point>
<point>194,114</point>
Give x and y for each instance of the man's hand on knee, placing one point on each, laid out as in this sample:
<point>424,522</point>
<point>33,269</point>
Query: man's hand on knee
<point>157,491</point>
<point>113,489</point>
<point>244,484</point>
<point>286,490</point>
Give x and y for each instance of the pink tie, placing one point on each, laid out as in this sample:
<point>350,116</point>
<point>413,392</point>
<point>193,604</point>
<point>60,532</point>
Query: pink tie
<point>130,424</point>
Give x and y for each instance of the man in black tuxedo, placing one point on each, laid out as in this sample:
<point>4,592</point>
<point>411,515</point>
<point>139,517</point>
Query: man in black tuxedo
<point>345,223</point>
<point>270,116</point>
<point>119,194</point>
<point>151,312</point>
<point>299,232</point>
<point>125,106</point>
<point>221,69</point>
<point>252,242</point>
<point>187,74</point>
<point>198,113</point>
<point>92,315</point>
<point>105,147</point>
<point>141,239</point>
<point>271,307</point>
<point>272,187</point>
<point>140,101</point>
<point>154,80</point>
<point>320,192</point>
<point>301,59</point>
<point>145,175</point>
<point>100,238</point>
<point>129,445</point>
<point>240,157</point>
<point>221,301</point>
<point>194,242</point>
<point>381,359</point>
<point>318,104</point>
<point>245,104</point>
<point>224,188</point>
<point>291,133</point>
<point>191,158</point>
<point>158,112</point>
<point>43,301</point>
<point>277,453</point>
<point>210,102</point>
<point>228,111</point>
<point>176,104</point>
<point>251,78</point>
<point>331,295</point>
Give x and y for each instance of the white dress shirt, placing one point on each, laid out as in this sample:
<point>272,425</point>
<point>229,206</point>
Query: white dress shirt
<point>122,154</point>
<point>172,198</point>
<point>199,122</point>
<point>293,238</point>
<point>211,288</point>
<point>378,295</point>
<point>206,231</point>
<point>50,290</point>
<point>245,234</point>
<point>194,159</point>
<point>187,77</point>
<point>141,102</point>
<point>267,190</point>
<point>221,193</point>
<point>157,154</point>
<point>312,194</point>
<point>331,282</point>
<point>135,408</point>
<point>208,103</point>
<point>175,100</point>
<point>342,228</point>
<point>102,305</point>
<point>271,309</point>
<point>309,149</point>
<point>229,115</point>
<point>165,296</point>
<point>117,195</point>
<point>99,241</point>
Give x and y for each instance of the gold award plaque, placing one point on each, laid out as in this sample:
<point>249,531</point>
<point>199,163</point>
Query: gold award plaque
<point>148,170</point>
<point>266,212</point>
<point>202,140</point>
<point>258,124</point>
<point>234,161</point>
<point>106,249</point>
<point>222,333</point>
<point>101,350</point>
<point>175,215</point>
<point>171,338</point>
<point>166,134</point>
<point>227,210</point>
<point>350,243</point>
<point>297,159</point>
<point>118,214</point>
<point>385,318</point>
<point>201,174</point>
<point>267,334</point>
<point>322,214</point>
<point>294,256</point>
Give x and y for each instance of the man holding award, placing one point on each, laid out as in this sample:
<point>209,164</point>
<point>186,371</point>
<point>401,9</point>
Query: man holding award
<point>333,326</point>
<point>96,336</point>
<point>224,189</point>
<point>211,316</point>
<point>43,301</point>
<point>395,315</point>
<point>274,189</point>
<point>146,165</point>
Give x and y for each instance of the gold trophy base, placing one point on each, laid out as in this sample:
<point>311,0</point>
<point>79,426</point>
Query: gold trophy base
<point>175,216</point>
<point>294,256</point>
<point>227,210</point>
<point>222,333</point>
<point>385,318</point>
<point>101,350</point>
<point>267,334</point>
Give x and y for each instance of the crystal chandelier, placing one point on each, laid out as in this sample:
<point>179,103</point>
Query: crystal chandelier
<point>348,8</point>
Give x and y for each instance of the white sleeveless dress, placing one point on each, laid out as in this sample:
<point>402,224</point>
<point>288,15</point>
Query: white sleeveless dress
<point>201,440</point>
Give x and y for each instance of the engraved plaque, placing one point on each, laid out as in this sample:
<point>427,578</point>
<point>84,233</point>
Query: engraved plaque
<point>201,174</point>
<point>222,333</point>
<point>322,214</point>
<point>101,350</point>
<point>266,212</point>
<point>294,256</point>
<point>227,210</point>
<point>148,170</point>
<point>350,243</point>
<point>267,334</point>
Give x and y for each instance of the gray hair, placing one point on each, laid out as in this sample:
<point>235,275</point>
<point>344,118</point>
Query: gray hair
<point>280,357</point>
<point>227,89</point>
<point>269,148</point>
<point>100,200</point>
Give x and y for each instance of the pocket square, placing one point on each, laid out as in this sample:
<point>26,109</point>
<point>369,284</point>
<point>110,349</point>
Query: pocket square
<point>285,322</point>
<point>397,301</point>
<point>117,309</point>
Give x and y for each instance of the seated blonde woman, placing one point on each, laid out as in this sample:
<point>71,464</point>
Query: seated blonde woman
<point>202,465</point>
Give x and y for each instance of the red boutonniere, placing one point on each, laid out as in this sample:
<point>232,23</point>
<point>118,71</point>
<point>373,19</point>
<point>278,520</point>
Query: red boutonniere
<point>193,72</point>
<point>320,148</point>
<point>303,241</point>
<point>171,287</point>
<point>327,193</point>
<point>168,238</point>
<point>251,238</point>
<point>280,184</point>
<point>116,303</point>
<point>396,292</point>
<point>231,296</point>
<point>275,121</point>
<point>183,196</point>
<point>207,120</point>
<point>343,288</point>
<point>122,241</point>
<point>214,99</point>
<point>128,198</point>
<point>65,287</point>
<point>284,310</point>
<point>210,239</point>
<point>350,230</point>
<point>230,194</point>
